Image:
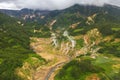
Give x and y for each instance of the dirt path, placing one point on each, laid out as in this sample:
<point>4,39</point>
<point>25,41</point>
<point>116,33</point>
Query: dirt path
<point>54,58</point>
<point>52,70</point>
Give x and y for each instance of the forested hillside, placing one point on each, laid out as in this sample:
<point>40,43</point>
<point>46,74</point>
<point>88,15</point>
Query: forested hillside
<point>14,47</point>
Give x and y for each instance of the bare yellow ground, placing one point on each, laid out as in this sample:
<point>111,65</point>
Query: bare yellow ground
<point>42,46</point>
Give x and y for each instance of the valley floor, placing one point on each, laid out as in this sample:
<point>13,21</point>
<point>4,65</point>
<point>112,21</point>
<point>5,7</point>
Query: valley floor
<point>54,58</point>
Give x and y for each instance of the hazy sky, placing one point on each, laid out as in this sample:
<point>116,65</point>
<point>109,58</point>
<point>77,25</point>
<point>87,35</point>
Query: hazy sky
<point>51,4</point>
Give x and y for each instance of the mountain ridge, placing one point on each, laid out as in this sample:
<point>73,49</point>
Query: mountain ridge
<point>87,10</point>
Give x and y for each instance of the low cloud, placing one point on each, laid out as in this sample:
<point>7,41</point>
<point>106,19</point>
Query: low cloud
<point>51,4</point>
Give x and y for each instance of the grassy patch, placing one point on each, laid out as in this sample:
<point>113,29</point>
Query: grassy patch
<point>116,29</point>
<point>77,30</point>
